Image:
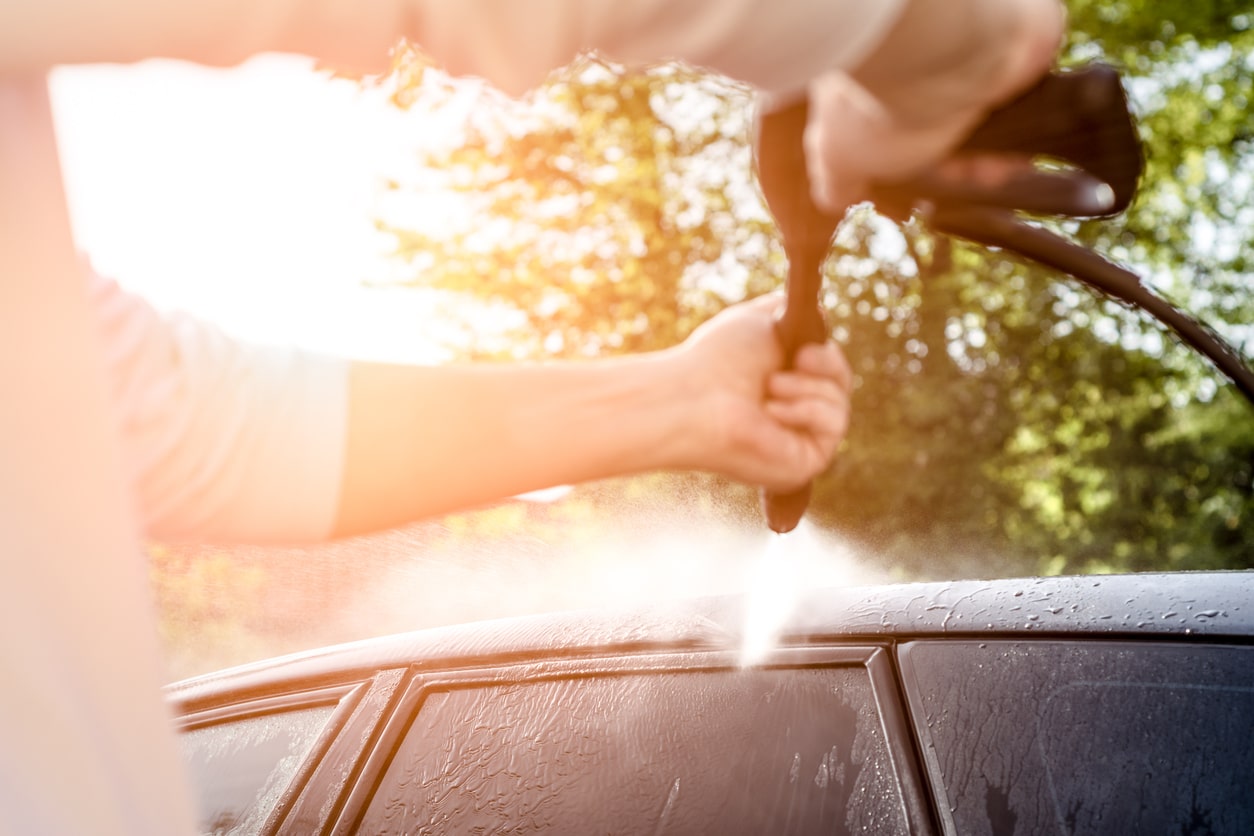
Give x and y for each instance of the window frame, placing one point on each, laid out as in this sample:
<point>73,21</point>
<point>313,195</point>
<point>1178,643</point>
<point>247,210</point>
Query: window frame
<point>320,782</point>
<point>876,659</point>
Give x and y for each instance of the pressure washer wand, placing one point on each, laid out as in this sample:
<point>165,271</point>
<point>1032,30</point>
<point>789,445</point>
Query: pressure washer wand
<point>807,234</point>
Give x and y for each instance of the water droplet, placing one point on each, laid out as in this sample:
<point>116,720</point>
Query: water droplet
<point>1103,195</point>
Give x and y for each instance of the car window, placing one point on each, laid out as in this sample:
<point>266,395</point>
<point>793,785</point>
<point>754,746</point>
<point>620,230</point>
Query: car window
<point>241,768</point>
<point>1086,737</point>
<point>708,751</point>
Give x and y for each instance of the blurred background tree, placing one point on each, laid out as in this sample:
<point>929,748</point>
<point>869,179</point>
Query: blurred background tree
<point>1007,420</point>
<point>608,212</point>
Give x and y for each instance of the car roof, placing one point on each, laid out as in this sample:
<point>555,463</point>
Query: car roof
<point>1181,606</point>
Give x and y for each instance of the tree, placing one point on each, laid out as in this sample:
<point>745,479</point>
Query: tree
<point>1007,419</point>
<point>609,212</point>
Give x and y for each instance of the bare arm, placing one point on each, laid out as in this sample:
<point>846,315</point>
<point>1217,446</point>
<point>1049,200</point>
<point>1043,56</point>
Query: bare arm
<point>232,442</point>
<point>422,441</point>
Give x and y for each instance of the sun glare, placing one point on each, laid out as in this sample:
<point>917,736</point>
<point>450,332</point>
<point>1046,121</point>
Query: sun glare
<point>247,196</point>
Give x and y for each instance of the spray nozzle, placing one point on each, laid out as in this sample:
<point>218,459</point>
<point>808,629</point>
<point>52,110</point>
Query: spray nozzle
<point>807,233</point>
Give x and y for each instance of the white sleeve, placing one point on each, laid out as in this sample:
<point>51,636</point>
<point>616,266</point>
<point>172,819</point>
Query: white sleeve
<point>777,45</point>
<point>225,441</point>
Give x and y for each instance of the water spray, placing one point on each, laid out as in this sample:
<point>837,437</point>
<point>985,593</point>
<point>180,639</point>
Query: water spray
<point>775,581</point>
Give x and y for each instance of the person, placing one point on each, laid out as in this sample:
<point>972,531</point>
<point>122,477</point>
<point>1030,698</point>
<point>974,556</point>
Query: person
<point>893,86</point>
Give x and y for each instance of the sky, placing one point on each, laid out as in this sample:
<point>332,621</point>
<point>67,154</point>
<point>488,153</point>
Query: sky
<point>245,195</point>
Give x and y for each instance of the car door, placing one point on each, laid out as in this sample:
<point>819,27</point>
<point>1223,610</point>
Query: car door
<point>651,743</point>
<point>1085,736</point>
<point>278,761</point>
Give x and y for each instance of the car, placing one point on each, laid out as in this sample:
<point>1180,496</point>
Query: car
<point>1069,705</point>
<point>1085,705</point>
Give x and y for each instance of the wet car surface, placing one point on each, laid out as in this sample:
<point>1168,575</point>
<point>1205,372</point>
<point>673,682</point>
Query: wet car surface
<point>1117,704</point>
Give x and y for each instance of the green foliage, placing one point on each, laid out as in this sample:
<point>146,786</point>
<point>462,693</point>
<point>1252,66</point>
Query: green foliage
<point>1191,76</point>
<point>225,606</point>
<point>1007,420</point>
<point>610,212</point>
<point>205,602</point>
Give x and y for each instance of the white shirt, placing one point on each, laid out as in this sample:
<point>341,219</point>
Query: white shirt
<point>224,441</point>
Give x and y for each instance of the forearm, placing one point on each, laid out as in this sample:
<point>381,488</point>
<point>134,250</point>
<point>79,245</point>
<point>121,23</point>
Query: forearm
<point>34,36</point>
<point>774,44</point>
<point>424,441</point>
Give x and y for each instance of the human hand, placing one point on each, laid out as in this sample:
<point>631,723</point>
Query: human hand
<point>757,422</point>
<point>852,140</point>
<point>933,78</point>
